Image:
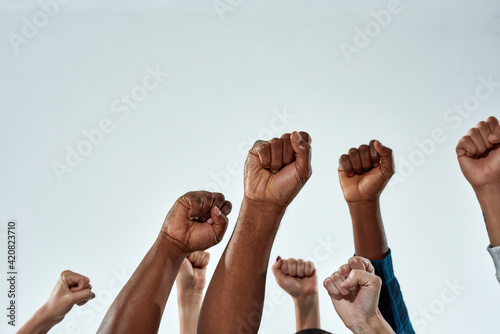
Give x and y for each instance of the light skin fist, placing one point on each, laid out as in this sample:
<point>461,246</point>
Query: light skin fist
<point>365,171</point>
<point>197,221</point>
<point>192,275</point>
<point>478,154</point>
<point>355,290</point>
<point>71,289</point>
<point>297,277</point>
<point>277,169</point>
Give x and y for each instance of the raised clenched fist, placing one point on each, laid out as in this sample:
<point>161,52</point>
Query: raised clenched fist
<point>297,277</point>
<point>365,171</point>
<point>71,289</point>
<point>197,221</point>
<point>192,275</point>
<point>479,155</point>
<point>277,169</point>
<point>355,290</point>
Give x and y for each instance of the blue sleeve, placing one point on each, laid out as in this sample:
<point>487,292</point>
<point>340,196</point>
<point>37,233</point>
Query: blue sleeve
<point>391,303</point>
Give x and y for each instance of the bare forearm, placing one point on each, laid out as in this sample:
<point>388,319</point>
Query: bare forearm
<point>375,325</point>
<point>139,306</point>
<point>40,323</point>
<point>489,199</point>
<point>307,313</point>
<point>368,229</point>
<point>236,292</point>
<point>189,304</point>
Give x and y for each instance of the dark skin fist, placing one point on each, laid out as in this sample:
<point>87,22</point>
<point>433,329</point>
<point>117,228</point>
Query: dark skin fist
<point>277,169</point>
<point>364,172</point>
<point>478,154</point>
<point>197,221</point>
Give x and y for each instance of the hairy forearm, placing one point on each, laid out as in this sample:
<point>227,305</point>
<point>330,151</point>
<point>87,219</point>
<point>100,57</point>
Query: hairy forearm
<point>40,323</point>
<point>236,292</point>
<point>307,312</point>
<point>368,229</point>
<point>489,199</point>
<point>189,304</point>
<point>140,304</point>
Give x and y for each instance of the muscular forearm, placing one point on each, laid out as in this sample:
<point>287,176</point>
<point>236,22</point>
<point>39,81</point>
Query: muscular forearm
<point>139,306</point>
<point>369,234</point>
<point>40,323</point>
<point>307,312</point>
<point>189,303</point>
<point>489,199</point>
<point>236,292</point>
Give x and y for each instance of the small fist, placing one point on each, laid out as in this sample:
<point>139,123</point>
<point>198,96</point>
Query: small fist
<point>197,221</point>
<point>191,276</point>
<point>71,289</point>
<point>479,154</point>
<point>297,277</point>
<point>364,172</point>
<point>276,170</point>
<point>355,290</point>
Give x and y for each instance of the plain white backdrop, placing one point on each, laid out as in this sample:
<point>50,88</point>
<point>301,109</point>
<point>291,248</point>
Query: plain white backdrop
<point>237,71</point>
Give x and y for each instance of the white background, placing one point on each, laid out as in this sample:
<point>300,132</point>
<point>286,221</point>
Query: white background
<point>227,80</point>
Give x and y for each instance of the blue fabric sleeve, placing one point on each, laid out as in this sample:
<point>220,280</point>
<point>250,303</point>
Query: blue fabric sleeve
<point>391,303</point>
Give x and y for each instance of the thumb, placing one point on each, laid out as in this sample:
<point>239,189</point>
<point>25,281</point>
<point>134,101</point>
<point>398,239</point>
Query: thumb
<point>301,145</point>
<point>219,223</point>
<point>494,137</point>
<point>276,267</point>
<point>81,297</point>
<point>361,278</point>
<point>386,158</point>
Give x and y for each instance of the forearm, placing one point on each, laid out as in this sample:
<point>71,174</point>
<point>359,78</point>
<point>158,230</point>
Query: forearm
<point>374,325</point>
<point>140,304</point>
<point>189,304</point>
<point>40,323</point>
<point>369,235</point>
<point>489,199</point>
<point>236,292</point>
<point>307,314</point>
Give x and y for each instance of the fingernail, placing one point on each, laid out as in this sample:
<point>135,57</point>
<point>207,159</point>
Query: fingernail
<point>493,137</point>
<point>217,211</point>
<point>278,258</point>
<point>210,221</point>
<point>93,296</point>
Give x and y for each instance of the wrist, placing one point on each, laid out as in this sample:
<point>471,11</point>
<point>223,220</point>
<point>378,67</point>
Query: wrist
<point>263,206</point>
<point>170,247</point>
<point>364,205</point>
<point>187,297</point>
<point>372,325</point>
<point>305,301</point>
<point>488,191</point>
<point>307,312</point>
<point>41,322</point>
